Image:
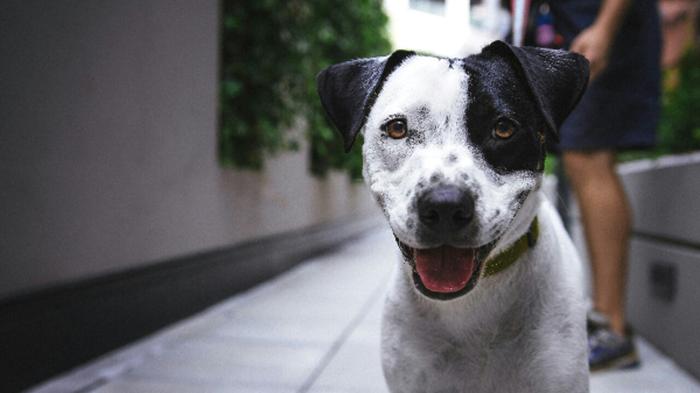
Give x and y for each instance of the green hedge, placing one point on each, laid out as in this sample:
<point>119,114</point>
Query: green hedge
<point>679,130</point>
<point>679,126</point>
<point>271,53</point>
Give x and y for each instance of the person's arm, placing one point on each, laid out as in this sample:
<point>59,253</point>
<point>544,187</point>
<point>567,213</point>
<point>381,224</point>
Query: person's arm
<point>596,41</point>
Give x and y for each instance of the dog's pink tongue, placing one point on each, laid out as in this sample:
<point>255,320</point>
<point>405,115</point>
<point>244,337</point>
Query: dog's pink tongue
<point>445,269</point>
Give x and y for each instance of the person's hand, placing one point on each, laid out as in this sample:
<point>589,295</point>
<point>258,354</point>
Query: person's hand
<point>594,44</point>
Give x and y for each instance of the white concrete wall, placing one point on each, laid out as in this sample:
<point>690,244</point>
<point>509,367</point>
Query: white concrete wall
<point>108,141</point>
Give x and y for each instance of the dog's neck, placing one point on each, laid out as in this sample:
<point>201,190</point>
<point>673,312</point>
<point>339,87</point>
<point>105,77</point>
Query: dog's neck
<point>503,261</point>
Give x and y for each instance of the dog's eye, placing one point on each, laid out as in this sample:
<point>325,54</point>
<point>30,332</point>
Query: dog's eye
<point>397,128</point>
<point>504,129</point>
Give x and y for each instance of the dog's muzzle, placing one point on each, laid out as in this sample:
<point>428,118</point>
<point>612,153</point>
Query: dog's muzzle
<point>450,270</point>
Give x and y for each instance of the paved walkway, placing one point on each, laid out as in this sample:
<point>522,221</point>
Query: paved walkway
<point>314,329</point>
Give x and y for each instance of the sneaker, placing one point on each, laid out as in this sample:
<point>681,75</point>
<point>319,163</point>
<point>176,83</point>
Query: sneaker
<point>595,321</point>
<point>608,350</point>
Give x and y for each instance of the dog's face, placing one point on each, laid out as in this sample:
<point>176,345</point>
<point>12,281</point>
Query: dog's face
<point>453,147</point>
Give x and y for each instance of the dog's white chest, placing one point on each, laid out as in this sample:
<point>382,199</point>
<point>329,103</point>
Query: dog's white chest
<point>524,334</point>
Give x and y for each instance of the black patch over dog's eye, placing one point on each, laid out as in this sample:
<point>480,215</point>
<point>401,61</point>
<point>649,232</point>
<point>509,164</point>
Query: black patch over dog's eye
<point>504,129</point>
<point>396,128</point>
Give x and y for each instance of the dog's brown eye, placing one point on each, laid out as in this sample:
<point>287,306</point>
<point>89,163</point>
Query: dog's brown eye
<point>397,129</point>
<point>504,129</point>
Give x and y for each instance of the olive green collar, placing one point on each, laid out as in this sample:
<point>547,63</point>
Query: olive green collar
<point>507,257</point>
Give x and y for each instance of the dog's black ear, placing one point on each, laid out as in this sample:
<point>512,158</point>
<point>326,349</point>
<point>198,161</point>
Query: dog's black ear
<point>348,91</point>
<point>557,78</point>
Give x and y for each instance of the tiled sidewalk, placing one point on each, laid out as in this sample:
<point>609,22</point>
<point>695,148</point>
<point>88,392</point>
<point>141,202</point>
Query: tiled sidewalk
<point>314,329</point>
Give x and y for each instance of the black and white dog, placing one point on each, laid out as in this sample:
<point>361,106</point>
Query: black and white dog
<point>488,296</point>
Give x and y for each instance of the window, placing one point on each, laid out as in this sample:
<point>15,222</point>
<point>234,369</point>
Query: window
<point>432,6</point>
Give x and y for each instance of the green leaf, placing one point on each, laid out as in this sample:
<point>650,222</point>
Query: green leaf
<point>231,87</point>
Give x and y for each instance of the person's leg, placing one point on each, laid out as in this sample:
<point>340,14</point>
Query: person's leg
<point>606,220</point>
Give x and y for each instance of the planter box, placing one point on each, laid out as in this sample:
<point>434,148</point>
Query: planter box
<point>663,297</point>
<point>665,197</point>
<point>663,289</point>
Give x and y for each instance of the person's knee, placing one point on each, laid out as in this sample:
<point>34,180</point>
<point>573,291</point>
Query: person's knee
<point>581,165</point>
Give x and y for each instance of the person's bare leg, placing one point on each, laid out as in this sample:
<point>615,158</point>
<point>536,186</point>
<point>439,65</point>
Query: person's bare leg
<point>606,220</point>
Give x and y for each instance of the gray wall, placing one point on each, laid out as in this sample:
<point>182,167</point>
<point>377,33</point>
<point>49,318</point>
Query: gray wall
<point>108,128</point>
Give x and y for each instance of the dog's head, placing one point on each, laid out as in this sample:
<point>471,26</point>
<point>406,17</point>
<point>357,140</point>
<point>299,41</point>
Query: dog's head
<point>453,147</point>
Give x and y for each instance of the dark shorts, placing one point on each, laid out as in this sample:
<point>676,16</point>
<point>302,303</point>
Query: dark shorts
<point>620,109</point>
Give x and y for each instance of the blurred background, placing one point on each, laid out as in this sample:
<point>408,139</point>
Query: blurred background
<point>160,156</point>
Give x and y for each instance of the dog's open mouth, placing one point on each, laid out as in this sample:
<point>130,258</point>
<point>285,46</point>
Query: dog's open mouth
<point>445,272</point>
<point>445,269</point>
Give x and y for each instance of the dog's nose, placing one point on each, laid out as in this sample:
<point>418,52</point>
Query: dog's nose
<point>446,209</point>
